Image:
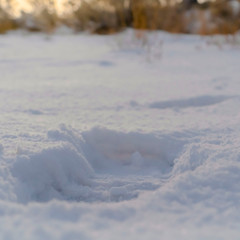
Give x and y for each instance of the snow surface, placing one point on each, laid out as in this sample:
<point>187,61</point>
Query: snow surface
<point>113,137</point>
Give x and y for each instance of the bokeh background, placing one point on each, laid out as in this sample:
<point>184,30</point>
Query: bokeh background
<point>110,16</point>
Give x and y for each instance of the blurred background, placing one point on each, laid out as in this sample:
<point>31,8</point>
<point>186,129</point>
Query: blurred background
<point>110,16</point>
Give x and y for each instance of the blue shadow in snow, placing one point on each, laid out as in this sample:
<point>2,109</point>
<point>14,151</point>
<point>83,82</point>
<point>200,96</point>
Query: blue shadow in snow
<point>200,101</point>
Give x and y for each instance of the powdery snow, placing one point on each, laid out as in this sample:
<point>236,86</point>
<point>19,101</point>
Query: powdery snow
<point>112,137</point>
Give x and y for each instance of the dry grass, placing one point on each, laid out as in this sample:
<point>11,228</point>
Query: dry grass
<point>153,15</point>
<point>98,17</point>
<point>214,18</point>
<point>43,17</point>
<point>110,16</point>
<point>6,21</point>
<point>225,19</point>
<point>107,16</point>
<point>40,21</point>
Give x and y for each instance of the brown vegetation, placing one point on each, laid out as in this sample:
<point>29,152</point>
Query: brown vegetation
<point>6,21</point>
<point>109,16</point>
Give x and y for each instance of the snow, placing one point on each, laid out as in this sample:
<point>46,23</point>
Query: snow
<point>123,136</point>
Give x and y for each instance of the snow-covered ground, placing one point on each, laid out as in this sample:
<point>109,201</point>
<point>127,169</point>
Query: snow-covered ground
<point>116,137</point>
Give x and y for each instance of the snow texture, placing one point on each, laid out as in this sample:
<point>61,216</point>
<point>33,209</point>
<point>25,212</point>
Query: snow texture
<point>112,137</point>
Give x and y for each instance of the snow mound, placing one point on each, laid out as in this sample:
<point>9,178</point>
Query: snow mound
<point>51,173</point>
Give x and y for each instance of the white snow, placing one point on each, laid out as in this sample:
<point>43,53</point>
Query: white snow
<point>112,137</point>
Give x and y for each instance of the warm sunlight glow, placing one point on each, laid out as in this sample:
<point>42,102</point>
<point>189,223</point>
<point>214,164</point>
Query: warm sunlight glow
<point>16,6</point>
